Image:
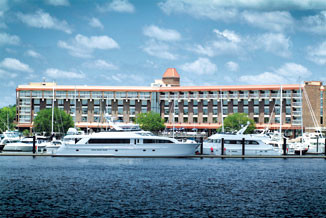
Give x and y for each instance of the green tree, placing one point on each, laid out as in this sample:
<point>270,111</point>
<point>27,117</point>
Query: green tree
<point>26,132</point>
<point>150,121</point>
<point>236,121</point>
<point>7,118</point>
<point>43,121</point>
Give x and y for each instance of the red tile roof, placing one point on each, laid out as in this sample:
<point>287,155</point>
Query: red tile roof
<point>171,72</point>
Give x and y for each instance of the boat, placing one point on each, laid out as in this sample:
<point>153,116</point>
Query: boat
<point>26,145</point>
<point>53,146</point>
<point>128,144</point>
<point>8,137</point>
<point>315,141</point>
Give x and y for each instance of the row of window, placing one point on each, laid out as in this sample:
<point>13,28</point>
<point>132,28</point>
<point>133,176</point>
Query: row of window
<point>126,141</point>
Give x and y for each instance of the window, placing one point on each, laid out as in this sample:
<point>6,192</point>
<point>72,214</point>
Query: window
<point>109,141</point>
<point>85,102</point>
<point>149,141</point>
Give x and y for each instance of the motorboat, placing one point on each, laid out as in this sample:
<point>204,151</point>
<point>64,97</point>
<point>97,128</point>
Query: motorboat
<point>53,146</point>
<point>127,144</point>
<point>233,145</point>
<point>9,137</point>
<point>26,145</point>
<point>315,141</point>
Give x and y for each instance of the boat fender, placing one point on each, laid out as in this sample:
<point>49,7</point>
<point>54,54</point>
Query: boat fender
<point>212,150</point>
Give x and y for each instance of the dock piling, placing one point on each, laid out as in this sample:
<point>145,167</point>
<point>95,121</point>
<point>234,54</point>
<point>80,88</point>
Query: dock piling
<point>243,146</point>
<point>284,146</point>
<point>201,145</point>
<point>317,144</point>
<point>222,146</point>
<point>34,144</point>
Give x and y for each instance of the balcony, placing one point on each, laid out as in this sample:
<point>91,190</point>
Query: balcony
<point>296,104</point>
<point>243,96</point>
<point>296,113</point>
<point>233,96</point>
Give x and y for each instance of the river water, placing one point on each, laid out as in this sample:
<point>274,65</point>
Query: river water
<point>112,187</point>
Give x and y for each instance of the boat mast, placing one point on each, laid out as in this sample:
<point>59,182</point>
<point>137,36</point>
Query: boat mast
<point>222,111</point>
<point>281,110</point>
<point>300,87</point>
<point>52,109</point>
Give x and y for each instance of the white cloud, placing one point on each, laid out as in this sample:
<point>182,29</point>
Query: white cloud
<point>201,66</point>
<point>161,33</point>
<point>287,73</point>
<point>94,22</point>
<point>83,46</point>
<point>273,21</point>
<point>199,9</point>
<point>6,74</point>
<point>225,10</point>
<point>60,74</point>
<point>228,34</point>
<point>118,6</point>
<point>121,78</point>
<point>317,54</point>
<point>160,50</point>
<point>232,66</point>
<point>33,54</point>
<point>275,43</point>
<point>14,64</point>
<point>6,39</point>
<point>44,20</point>
<point>315,24</point>
<point>58,2</point>
<point>101,65</point>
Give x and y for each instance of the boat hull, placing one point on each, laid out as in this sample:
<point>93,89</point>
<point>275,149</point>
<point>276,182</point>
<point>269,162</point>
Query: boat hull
<point>127,150</point>
<point>21,148</point>
<point>233,150</point>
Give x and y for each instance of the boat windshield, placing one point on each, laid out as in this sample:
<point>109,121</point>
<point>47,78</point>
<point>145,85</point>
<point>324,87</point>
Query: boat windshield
<point>145,133</point>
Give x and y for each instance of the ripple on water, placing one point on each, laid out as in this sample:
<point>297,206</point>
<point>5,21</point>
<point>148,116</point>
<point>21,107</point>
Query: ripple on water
<point>61,187</point>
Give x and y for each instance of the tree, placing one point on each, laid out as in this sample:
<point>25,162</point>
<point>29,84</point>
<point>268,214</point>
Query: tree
<point>236,121</point>
<point>7,117</point>
<point>43,121</point>
<point>150,121</point>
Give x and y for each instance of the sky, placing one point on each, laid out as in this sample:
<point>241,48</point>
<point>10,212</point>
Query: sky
<point>131,43</point>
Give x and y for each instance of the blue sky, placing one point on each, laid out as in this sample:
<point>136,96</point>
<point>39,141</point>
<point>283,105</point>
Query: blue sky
<point>120,42</point>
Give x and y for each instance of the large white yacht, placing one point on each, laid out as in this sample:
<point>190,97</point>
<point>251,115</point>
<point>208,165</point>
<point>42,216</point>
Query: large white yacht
<point>122,143</point>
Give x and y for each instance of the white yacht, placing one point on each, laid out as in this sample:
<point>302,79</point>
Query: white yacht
<point>233,145</point>
<point>315,141</point>
<point>8,137</point>
<point>26,145</point>
<point>127,144</point>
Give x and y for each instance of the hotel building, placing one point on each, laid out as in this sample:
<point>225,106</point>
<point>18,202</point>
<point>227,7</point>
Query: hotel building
<point>200,107</point>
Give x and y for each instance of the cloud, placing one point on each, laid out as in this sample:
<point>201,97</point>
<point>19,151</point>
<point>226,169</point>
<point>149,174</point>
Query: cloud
<point>94,22</point>
<point>227,42</point>
<point>60,74</point>
<point>122,6</point>
<point>275,43</point>
<point>14,64</point>
<point>44,20</point>
<point>315,24</point>
<point>6,74</point>
<point>83,46</point>
<point>159,49</point>
<point>226,10</point>
<point>287,73</point>
<point>201,66</point>
<point>122,78</point>
<point>58,2</point>
<point>232,66</point>
<point>101,65</point>
<point>199,9</point>
<point>317,54</point>
<point>277,21</point>
<point>161,33</point>
<point>33,54</point>
<point>6,39</point>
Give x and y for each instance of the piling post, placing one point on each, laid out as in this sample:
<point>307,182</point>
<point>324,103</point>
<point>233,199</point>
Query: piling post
<point>222,146</point>
<point>284,146</point>
<point>34,144</point>
<point>317,144</point>
<point>201,145</point>
<point>325,148</point>
<point>243,146</point>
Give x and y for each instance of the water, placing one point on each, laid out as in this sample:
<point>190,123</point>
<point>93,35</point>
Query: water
<point>108,187</point>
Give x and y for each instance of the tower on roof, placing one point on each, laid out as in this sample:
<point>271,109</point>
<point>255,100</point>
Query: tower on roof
<point>171,77</point>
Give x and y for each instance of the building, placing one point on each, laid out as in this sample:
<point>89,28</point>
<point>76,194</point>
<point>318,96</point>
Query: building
<point>201,107</point>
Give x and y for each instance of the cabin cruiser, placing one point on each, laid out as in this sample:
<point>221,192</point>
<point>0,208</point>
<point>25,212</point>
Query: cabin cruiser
<point>233,145</point>
<point>315,141</point>
<point>26,145</point>
<point>53,146</point>
<point>9,137</point>
<point>128,143</point>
